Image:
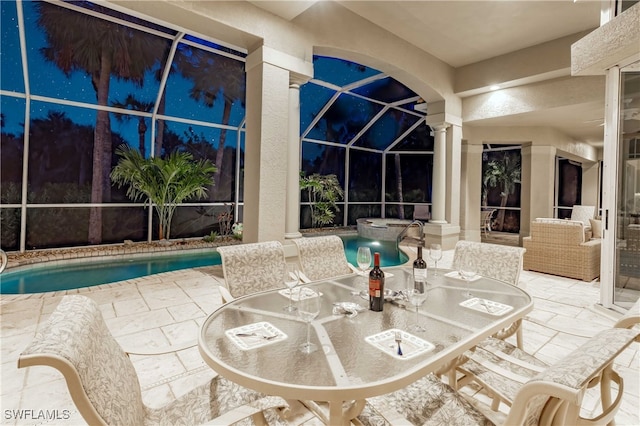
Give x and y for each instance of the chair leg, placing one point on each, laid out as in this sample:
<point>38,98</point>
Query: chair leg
<point>605,390</point>
<point>495,404</point>
<point>519,338</point>
<point>452,377</point>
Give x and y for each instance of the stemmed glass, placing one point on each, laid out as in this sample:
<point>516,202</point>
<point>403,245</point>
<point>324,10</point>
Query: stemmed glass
<point>363,258</point>
<point>291,280</point>
<point>435,253</point>
<point>308,310</point>
<point>417,294</point>
<point>467,272</point>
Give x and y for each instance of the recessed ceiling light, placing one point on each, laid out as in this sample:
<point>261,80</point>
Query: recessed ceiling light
<point>494,87</point>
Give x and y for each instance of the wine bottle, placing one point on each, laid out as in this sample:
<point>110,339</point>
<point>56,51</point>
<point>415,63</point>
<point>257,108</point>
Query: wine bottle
<point>419,268</point>
<point>376,285</point>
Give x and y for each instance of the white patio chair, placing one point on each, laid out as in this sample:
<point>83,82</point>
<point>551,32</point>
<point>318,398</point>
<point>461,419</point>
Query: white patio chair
<point>485,220</point>
<point>322,257</point>
<point>502,263</point>
<point>104,385</point>
<point>552,396</point>
<point>500,367</point>
<point>249,268</point>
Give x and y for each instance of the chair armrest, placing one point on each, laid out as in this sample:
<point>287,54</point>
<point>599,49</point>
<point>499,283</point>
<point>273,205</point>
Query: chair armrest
<point>592,243</point>
<point>631,318</point>
<point>224,293</point>
<point>353,268</point>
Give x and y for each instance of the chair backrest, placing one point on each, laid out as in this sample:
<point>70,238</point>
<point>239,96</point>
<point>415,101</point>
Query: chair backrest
<point>554,396</point>
<point>583,214</point>
<point>555,231</point>
<point>485,217</point>
<point>250,268</point>
<point>502,263</point>
<point>100,376</point>
<point>322,257</point>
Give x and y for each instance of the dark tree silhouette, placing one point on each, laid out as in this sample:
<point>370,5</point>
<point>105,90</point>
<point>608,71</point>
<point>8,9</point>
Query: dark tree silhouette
<point>130,102</point>
<point>214,77</point>
<point>99,48</point>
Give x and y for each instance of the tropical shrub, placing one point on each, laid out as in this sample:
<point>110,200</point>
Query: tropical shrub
<point>324,192</point>
<point>166,182</point>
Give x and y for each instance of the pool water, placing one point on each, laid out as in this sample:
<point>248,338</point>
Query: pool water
<point>43,278</point>
<point>85,274</point>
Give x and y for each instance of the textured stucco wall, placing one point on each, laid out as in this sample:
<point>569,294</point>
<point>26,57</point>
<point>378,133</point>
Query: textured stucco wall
<point>613,43</point>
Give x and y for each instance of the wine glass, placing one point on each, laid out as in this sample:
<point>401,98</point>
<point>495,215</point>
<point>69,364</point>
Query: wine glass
<point>417,294</point>
<point>291,280</point>
<point>435,253</point>
<point>308,310</point>
<point>467,273</point>
<point>363,258</point>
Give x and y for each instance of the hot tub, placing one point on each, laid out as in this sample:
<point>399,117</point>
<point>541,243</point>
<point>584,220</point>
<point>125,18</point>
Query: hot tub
<point>385,229</point>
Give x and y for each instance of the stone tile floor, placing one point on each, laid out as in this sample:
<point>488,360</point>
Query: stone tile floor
<point>167,309</point>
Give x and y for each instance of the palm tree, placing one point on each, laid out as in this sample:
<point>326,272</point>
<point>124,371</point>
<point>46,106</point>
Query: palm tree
<point>506,174</point>
<point>134,104</point>
<point>212,76</point>
<point>324,191</point>
<point>165,182</point>
<point>100,48</point>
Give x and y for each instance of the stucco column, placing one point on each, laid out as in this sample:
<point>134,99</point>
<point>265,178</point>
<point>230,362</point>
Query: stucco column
<point>537,185</point>
<point>266,175</point>
<point>453,173</point>
<point>471,191</point>
<point>292,229</point>
<point>265,159</point>
<point>438,189</point>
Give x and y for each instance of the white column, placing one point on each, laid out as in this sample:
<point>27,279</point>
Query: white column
<point>267,181</point>
<point>265,173</point>
<point>438,190</point>
<point>292,226</point>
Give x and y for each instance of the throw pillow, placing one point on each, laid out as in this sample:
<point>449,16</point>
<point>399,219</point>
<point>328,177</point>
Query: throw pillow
<point>596,228</point>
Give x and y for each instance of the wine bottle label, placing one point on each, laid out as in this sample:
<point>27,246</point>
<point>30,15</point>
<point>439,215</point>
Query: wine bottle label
<point>419,274</point>
<point>374,287</point>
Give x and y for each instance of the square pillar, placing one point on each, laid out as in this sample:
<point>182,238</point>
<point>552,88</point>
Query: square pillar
<point>265,161</point>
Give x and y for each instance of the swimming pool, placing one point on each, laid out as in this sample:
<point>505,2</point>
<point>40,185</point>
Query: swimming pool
<point>46,277</point>
<point>54,277</point>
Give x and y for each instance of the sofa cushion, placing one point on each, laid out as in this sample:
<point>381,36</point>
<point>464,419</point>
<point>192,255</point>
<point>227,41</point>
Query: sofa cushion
<point>596,228</point>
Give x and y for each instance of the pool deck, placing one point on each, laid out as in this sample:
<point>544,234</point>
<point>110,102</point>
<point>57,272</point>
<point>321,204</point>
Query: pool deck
<point>167,310</point>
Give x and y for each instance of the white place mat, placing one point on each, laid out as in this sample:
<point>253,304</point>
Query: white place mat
<point>299,293</point>
<point>250,336</point>
<point>456,275</point>
<point>490,307</point>
<point>411,345</point>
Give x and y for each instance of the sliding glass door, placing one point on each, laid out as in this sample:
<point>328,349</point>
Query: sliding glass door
<point>621,254</point>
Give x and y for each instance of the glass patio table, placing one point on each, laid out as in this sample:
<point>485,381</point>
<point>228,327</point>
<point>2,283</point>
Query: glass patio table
<point>357,357</point>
